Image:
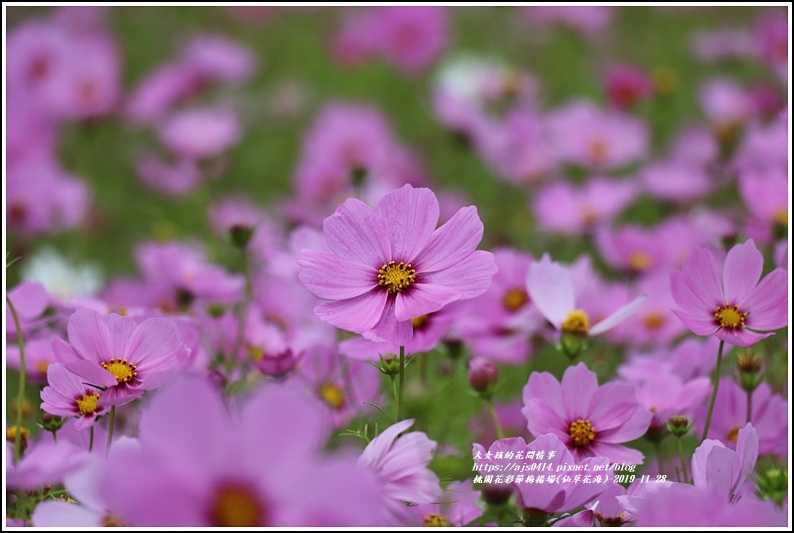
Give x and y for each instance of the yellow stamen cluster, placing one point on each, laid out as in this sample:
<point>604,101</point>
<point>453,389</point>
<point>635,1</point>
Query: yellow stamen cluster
<point>436,520</point>
<point>122,370</point>
<point>654,321</point>
<point>396,277</point>
<point>111,520</point>
<point>88,404</point>
<point>515,299</point>
<point>236,506</point>
<point>576,323</point>
<point>639,261</point>
<point>419,322</point>
<point>730,317</point>
<point>333,396</point>
<point>733,434</point>
<point>582,433</point>
<point>598,150</point>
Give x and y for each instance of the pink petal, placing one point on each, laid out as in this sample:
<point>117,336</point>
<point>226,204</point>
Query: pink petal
<point>335,278</point>
<point>701,273</point>
<point>29,299</point>
<point>462,233</point>
<point>687,298</point>
<point>699,461</point>
<point>121,328</point>
<point>767,303</point>
<point>63,514</point>
<point>741,272</point>
<point>421,299</point>
<point>633,428</point>
<point>722,469</point>
<point>579,385</point>
<point>700,325</point>
<point>410,216</point>
<point>92,373</point>
<point>354,314</point>
<point>389,329</point>
<point>64,353</point>
<point>354,231</point>
<point>619,316</point>
<point>542,420</point>
<point>155,346</point>
<point>747,450</point>
<point>544,387</point>
<point>469,274</point>
<point>551,289</point>
<point>90,335</point>
<point>612,405</point>
<point>741,337</point>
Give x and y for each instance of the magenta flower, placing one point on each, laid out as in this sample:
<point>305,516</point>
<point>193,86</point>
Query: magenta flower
<point>590,420</point>
<point>68,395</point>
<point>390,265</point>
<point>715,466</point>
<point>260,465</point>
<point>400,462</point>
<point>115,352</point>
<point>551,287</point>
<point>626,86</point>
<point>200,133</point>
<point>769,417</point>
<point>731,304</point>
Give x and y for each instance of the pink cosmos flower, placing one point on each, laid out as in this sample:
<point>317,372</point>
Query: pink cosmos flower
<point>563,207</point>
<point>200,133</point>
<point>607,511</point>
<point>588,20</point>
<point>689,359</point>
<point>664,395</point>
<point>772,42</point>
<point>200,465</point>
<point>722,43</point>
<point>68,395</point>
<point>115,352</point>
<point>391,264</point>
<point>586,135</point>
<point>715,466</point>
<point>214,57</point>
<point>553,292</point>
<point>731,304</point>
<point>766,195</point>
<point>769,417</point>
<point>590,420</point>
<point>725,102</point>
<point>676,180</point>
<point>30,300</point>
<point>400,462</point>
<point>173,179</point>
<point>157,92</point>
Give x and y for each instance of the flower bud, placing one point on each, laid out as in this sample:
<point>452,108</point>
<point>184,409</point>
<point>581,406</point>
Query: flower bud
<point>389,364</point>
<point>773,485</point>
<point>750,370</point>
<point>482,374</point>
<point>679,425</point>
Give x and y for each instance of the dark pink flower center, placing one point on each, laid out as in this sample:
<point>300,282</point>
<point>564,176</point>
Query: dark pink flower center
<point>730,317</point>
<point>396,277</point>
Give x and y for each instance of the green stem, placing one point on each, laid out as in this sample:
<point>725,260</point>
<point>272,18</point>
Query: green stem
<point>402,384</point>
<point>714,393</point>
<point>659,463</point>
<point>22,379</point>
<point>500,434</point>
<point>683,461</point>
<point>749,406</point>
<point>238,342</point>
<point>110,428</point>
<point>91,440</point>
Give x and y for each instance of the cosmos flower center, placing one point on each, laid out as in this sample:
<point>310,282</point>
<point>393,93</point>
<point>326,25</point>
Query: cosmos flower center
<point>122,370</point>
<point>781,216</point>
<point>396,277</point>
<point>436,520</point>
<point>111,520</point>
<point>730,317</point>
<point>639,261</point>
<point>598,150</point>
<point>515,299</point>
<point>419,322</point>
<point>589,215</point>
<point>42,366</point>
<point>236,505</point>
<point>333,396</point>
<point>733,434</point>
<point>11,433</point>
<point>582,433</point>
<point>654,321</point>
<point>88,403</point>
<point>576,323</point>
